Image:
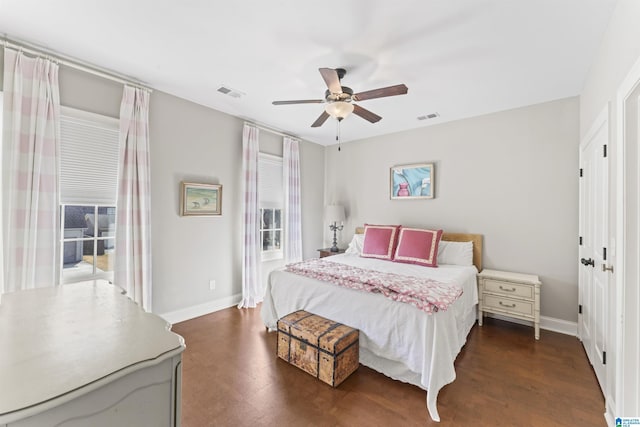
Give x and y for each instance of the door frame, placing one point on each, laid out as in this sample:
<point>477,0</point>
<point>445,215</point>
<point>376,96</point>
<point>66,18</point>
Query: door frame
<point>627,372</point>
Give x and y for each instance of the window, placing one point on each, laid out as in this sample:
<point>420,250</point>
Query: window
<point>88,183</point>
<point>88,244</point>
<point>270,191</point>
<point>271,230</point>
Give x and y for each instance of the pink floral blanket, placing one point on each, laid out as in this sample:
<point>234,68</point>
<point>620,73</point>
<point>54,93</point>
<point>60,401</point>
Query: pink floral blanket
<point>426,294</point>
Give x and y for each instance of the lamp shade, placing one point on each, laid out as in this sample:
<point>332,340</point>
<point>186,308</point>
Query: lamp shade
<point>339,109</point>
<point>334,213</point>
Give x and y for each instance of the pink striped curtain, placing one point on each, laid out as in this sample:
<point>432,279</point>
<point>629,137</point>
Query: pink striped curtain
<point>133,232</point>
<point>252,292</point>
<point>292,209</point>
<point>31,144</point>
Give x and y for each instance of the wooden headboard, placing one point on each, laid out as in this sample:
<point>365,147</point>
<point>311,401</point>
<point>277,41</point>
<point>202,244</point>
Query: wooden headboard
<point>459,237</point>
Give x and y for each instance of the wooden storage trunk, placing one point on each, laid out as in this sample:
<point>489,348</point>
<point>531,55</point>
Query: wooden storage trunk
<point>326,349</point>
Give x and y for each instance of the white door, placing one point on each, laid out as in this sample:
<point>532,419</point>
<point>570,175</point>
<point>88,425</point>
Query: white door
<point>594,234</point>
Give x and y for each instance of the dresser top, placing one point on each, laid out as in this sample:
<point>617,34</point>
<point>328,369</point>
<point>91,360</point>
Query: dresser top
<point>57,340</point>
<point>510,276</point>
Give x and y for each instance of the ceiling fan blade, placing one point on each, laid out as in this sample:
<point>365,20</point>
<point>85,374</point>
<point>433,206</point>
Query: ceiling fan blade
<point>366,114</point>
<point>332,80</point>
<point>320,120</point>
<point>299,101</point>
<point>381,93</point>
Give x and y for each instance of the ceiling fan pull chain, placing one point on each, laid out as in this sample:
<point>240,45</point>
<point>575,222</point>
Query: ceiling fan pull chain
<point>338,137</point>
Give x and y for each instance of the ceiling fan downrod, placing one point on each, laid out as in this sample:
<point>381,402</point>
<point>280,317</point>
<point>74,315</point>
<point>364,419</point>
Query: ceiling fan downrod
<point>338,136</point>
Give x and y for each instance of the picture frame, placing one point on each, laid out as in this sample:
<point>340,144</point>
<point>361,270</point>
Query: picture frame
<point>410,182</point>
<point>197,199</point>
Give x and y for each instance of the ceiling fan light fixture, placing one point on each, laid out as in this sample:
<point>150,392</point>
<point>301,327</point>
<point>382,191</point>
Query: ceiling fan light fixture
<point>339,109</point>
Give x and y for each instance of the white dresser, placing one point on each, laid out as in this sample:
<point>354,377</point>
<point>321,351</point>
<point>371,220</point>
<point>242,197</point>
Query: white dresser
<point>85,355</point>
<point>510,294</point>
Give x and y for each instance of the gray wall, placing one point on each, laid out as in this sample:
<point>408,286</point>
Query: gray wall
<point>194,143</point>
<point>511,176</point>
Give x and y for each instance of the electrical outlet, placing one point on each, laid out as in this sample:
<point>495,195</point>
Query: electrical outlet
<point>212,285</point>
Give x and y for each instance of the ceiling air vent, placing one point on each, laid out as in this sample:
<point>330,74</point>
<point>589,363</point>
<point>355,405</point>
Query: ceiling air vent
<point>230,91</point>
<point>428,116</point>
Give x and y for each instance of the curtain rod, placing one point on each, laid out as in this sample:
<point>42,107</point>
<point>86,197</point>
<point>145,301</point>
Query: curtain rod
<point>73,63</point>
<point>268,129</point>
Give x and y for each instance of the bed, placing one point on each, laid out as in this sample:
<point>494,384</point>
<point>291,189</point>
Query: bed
<point>396,339</point>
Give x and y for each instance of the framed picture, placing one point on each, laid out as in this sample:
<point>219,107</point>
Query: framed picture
<point>200,199</point>
<point>412,181</point>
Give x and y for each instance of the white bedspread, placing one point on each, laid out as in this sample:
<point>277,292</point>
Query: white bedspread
<point>396,339</point>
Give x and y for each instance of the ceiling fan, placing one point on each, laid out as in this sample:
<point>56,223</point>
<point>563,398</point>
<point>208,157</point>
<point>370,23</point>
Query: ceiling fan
<point>340,99</point>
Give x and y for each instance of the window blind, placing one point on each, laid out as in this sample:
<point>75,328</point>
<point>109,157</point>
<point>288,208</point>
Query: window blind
<point>270,181</point>
<point>88,158</point>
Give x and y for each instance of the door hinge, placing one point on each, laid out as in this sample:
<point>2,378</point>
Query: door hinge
<point>604,357</point>
<point>604,150</point>
<point>580,309</point>
<point>604,254</point>
<point>580,172</point>
<point>580,241</point>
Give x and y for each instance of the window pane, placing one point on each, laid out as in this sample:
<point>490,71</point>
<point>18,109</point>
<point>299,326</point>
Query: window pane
<point>106,222</point>
<point>72,253</point>
<point>75,221</point>
<point>267,219</point>
<point>267,240</point>
<point>277,213</point>
<point>105,262</point>
<point>276,240</point>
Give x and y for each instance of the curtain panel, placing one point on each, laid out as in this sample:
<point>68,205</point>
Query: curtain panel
<point>30,156</point>
<point>133,231</point>
<point>252,289</point>
<point>292,201</point>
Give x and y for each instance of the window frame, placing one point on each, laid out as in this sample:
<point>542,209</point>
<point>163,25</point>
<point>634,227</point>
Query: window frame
<point>107,275</point>
<point>271,254</point>
<point>104,122</point>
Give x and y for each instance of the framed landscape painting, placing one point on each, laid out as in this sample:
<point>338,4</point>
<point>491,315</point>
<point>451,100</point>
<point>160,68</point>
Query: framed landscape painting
<point>412,181</point>
<point>200,199</point>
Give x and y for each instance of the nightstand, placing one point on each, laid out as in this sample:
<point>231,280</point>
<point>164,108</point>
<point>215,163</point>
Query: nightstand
<point>514,295</point>
<point>325,252</point>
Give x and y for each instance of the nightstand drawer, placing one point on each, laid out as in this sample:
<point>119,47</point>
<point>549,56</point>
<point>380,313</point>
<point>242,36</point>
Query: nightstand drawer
<point>508,288</point>
<point>524,308</point>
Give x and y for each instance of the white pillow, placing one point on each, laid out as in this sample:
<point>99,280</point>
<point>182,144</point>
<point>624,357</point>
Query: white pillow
<point>356,245</point>
<point>456,253</point>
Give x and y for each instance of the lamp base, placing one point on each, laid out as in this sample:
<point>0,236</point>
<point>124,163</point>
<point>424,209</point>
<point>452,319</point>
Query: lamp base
<point>335,227</point>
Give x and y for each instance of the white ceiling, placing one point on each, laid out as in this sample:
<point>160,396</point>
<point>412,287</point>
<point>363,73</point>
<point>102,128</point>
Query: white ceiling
<point>460,58</point>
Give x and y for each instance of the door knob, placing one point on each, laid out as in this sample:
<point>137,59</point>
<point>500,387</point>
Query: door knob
<point>605,268</point>
<point>588,262</point>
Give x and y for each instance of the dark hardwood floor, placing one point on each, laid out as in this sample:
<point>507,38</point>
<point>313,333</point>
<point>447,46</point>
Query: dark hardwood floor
<point>232,377</point>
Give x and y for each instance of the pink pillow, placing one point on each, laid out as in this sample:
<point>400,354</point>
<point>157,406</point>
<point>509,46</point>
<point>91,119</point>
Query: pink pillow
<point>379,241</point>
<point>416,246</point>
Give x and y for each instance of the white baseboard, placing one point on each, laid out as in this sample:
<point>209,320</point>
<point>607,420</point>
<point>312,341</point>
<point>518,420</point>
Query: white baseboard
<point>547,323</point>
<point>559,325</point>
<point>201,309</point>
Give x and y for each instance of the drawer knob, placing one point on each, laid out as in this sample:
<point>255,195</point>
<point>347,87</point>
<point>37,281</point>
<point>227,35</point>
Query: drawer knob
<point>507,290</point>
<point>506,305</point>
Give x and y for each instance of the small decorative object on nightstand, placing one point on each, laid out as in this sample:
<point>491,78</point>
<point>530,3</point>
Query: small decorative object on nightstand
<point>335,214</point>
<point>324,252</point>
<point>515,295</point>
